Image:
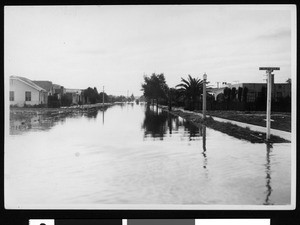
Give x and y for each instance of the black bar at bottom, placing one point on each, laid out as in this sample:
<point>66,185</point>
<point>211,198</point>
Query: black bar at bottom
<point>88,222</point>
<point>161,222</point>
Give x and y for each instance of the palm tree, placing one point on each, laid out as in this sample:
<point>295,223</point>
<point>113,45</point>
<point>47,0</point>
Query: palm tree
<point>191,89</point>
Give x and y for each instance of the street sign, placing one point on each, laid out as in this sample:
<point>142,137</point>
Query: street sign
<point>269,68</point>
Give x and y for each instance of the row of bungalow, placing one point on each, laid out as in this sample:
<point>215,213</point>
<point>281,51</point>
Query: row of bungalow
<point>255,90</point>
<point>23,91</point>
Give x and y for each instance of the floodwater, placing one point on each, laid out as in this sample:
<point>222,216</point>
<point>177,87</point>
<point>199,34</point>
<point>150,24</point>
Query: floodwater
<point>131,154</point>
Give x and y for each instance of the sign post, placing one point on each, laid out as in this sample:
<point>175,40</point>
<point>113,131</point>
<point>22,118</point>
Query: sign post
<point>269,70</point>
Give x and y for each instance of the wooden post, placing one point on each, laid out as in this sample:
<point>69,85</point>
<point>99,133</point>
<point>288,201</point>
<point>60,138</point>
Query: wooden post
<point>269,97</point>
<point>269,70</point>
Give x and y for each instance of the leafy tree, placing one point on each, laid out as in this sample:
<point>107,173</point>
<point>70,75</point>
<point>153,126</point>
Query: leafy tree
<point>91,94</point>
<point>101,97</point>
<point>227,96</point>
<point>261,100</point>
<point>53,101</point>
<point>233,93</point>
<point>132,98</point>
<point>245,94</point>
<point>155,87</point>
<point>227,93</point>
<point>66,99</point>
<point>191,89</point>
<point>240,92</point>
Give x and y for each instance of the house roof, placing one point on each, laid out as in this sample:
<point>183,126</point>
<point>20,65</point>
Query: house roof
<point>47,85</point>
<point>28,82</point>
<point>57,86</point>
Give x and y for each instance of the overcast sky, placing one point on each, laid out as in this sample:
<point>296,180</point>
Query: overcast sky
<point>114,46</point>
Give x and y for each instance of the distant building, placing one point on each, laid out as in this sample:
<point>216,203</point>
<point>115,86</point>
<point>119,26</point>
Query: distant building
<point>58,90</point>
<point>23,91</point>
<point>279,90</point>
<point>76,95</point>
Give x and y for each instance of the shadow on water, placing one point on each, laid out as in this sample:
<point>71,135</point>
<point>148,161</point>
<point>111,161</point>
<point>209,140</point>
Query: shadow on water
<point>268,174</point>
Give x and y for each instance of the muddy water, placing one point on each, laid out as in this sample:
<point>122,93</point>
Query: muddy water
<point>133,155</point>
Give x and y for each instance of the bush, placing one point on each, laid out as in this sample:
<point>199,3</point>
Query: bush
<point>53,101</point>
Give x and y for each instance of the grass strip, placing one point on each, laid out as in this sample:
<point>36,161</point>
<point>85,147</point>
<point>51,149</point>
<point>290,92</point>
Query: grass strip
<point>229,128</point>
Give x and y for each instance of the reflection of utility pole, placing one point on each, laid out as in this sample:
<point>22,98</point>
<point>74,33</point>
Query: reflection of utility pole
<point>268,177</point>
<point>103,116</point>
<point>170,123</point>
<point>203,129</point>
<point>269,70</point>
<point>204,137</point>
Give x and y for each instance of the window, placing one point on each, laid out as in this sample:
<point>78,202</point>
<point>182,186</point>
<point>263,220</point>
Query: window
<point>27,96</point>
<point>11,96</point>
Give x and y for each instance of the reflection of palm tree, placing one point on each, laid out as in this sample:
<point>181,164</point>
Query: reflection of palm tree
<point>268,177</point>
<point>191,89</point>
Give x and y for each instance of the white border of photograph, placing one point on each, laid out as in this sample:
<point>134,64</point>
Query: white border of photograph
<point>291,206</point>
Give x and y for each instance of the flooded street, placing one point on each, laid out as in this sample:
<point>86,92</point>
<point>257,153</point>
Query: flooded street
<point>129,154</point>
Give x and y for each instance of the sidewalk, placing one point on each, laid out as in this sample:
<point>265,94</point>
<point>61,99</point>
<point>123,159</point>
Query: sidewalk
<point>282,134</point>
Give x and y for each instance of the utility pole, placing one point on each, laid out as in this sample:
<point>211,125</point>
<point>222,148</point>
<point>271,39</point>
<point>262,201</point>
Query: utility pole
<point>269,70</point>
<point>204,95</point>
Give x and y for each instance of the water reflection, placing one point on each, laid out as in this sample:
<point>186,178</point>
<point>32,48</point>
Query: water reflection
<point>34,122</point>
<point>155,123</point>
<point>203,134</point>
<point>214,169</point>
<point>92,113</point>
<point>268,174</point>
<point>103,116</point>
<point>192,129</point>
<point>103,112</point>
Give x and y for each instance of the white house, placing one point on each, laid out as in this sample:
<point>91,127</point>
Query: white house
<point>23,91</point>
